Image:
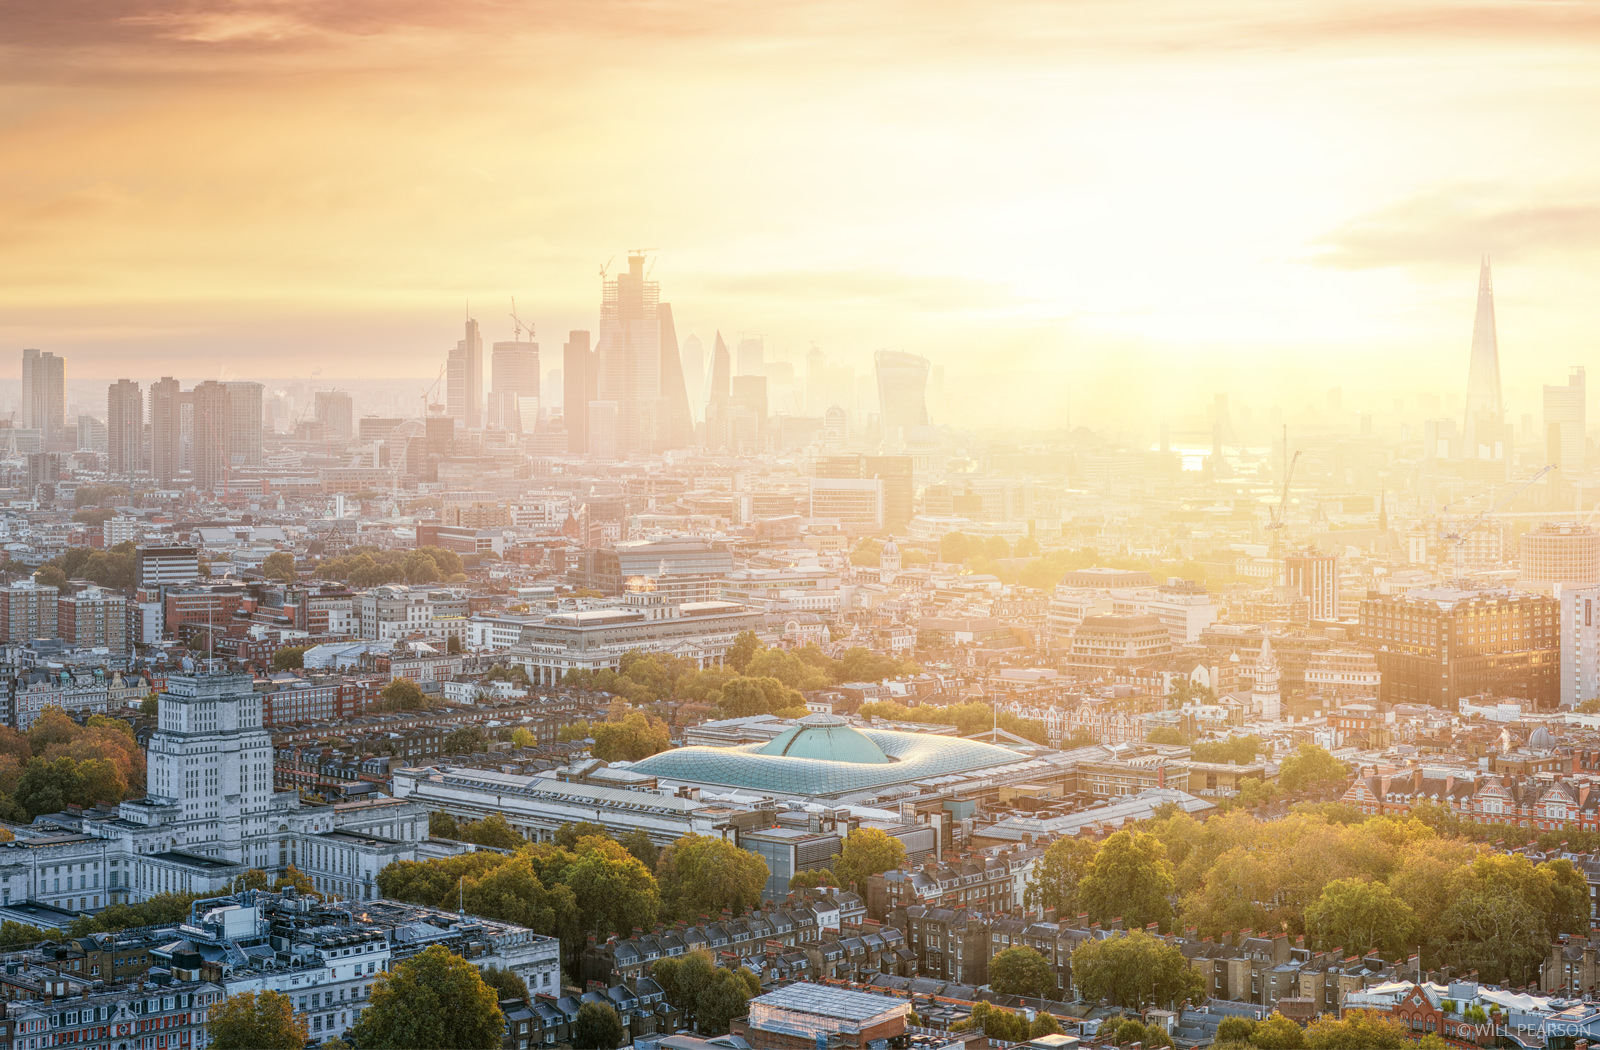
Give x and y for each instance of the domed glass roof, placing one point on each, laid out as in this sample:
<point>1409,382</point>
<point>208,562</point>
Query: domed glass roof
<point>825,737</point>
<point>823,756</point>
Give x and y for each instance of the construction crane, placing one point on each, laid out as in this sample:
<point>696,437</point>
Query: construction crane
<point>428,390</point>
<point>1275,523</point>
<point>517,323</point>
<point>1457,539</point>
<point>606,267</point>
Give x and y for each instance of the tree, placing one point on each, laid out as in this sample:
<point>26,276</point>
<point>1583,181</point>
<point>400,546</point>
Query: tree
<point>597,1028</point>
<point>1129,878</point>
<point>402,694</point>
<point>744,697</point>
<point>248,1021</point>
<point>1360,916</point>
<point>635,737</point>
<point>614,892</point>
<point>506,983</point>
<point>466,739</point>
<point>1167,735</point>
<point>1043,1024</point>
<point>1356,1030</point>
<point>1020,970</point>
<point>1235,1030</point>
<point>1311,769</point>
<point>279,565</point>
<point>432,1000</point>
<point>1135,970</point>
<point>1277,1033</point>
<point>51,576</point>
<point>492,831</point>
<point>523,737</point>
<point>1058,874</point>
<point>443,825</point>
<point>811,878</point>
<point>866,852</point>
<point>289,658</point>
<point>701,874</point>
<point>725,997</point>
<point>452,644</point>
<point>637,842</point>
<point>743,648</point>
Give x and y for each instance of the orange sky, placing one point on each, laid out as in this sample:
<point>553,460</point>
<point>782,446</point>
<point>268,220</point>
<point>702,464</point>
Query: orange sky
<point>1139,199</point>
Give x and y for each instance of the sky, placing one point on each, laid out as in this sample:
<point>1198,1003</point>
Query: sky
<point>1085,210</point>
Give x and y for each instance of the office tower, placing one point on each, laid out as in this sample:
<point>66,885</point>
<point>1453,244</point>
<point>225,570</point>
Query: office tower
<point>677,420</point>
<point>718,397</point>
<point>630,357</point>
<point>335,410</point>
<point>553,390</point>
<point>752,356</point>
<point>1560,552</point>
<point>44,395</point>
<point>1314,575</point>
<point>166,398</point>
<point>603,421</point>
<point>1565,422</point>
<point>1580,644</point>
<point>514,383</point>
<point>694,374</point>
<point>455,384</point>
<point>472,341</point>
<point>748,413</point>
<point>781,400</point>
<point>124,427</point>
<point>213,431</point>
<point>246,421</point>
<point>1485,416</point>
<point>817,402</point>
<point>902,393</point>
<point>577,389</point>
<point>91,436</point>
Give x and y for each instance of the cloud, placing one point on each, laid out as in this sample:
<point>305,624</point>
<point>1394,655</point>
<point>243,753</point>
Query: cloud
<point>1449,225</point>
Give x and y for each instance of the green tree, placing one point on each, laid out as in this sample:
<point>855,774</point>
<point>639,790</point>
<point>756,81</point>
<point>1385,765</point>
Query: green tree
<point>432,1000</point>
<point>1357,1030</point>
<point>725,996</point>
<point>811,878</point>
<point>506,983</point>
<point>492,831</point>
<point>1312,770</point>
<point>568,834</point>
<point>443,825</point>
<point>637,842</point>
<point>1020,970</point>
<point>289,658</point>
<point>279,565</point>
<point>744,697</point>
<point>1058,874</point>
<point>745,646</point>
<point>636,737</point>
<point>248,1021</point>
<point>1166,735</point>
<point>682,979</point>
<point>1277,1032</point>
<point>866,852</point>
<point>597,1028</point>
<point>402,694</point>
<point>51,576</point>
<point>701,875</point>
<point>466,739</point>
<point>1360,916</point>
<point>1235,1029</point>
<point>1134,971</point>
<point>1043,1025</point>
<point>1129,878</point>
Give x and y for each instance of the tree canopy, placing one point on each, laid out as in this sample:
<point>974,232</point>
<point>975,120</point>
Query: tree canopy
<point>251,1021</point>
<point>1020,970</point>
<point>701,875</point>
<point>1135,970</point>
<point>866,852</point>
<point>435,999</point>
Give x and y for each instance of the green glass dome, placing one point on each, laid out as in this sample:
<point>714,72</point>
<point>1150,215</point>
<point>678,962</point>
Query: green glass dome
<point>827,738</point>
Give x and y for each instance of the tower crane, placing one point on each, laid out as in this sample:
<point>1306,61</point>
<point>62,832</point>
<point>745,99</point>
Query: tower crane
<point>428,390</point>
<point>517,323</point>
<point>1275,523</point>
<point>1457,539</point>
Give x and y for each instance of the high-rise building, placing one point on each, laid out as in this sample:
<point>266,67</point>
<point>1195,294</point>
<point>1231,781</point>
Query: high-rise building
<point>902,393</point>
<point>246,423</point>
<point>677,421</point>
<point>514,384</point>
<point>1580,644</point>
<point>747,415</point>
<point>694,374</point>
<point>464,379</point>
<point>893,473</point>
<point>44,395</point>
<point>752,356</point>
<point>1560,552</point>
<point>578,380</point>
<point>1484,423</point>
<point>817,402</point>
<point>27,611</point>
<point>630,357</point>
<point>1566,422</point>
<point>335,410</point>
<point>92,435</point>
<point>166,398</point>
<point>213,432</point>
<point>719,397</point>
<point>1314,575</point>
<point>124,427</point>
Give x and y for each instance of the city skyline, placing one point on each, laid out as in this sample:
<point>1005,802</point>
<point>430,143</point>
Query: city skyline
<point>1262,193</point>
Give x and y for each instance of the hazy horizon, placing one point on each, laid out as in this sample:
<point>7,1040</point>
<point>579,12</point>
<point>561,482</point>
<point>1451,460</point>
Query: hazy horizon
<point>1137,203</point>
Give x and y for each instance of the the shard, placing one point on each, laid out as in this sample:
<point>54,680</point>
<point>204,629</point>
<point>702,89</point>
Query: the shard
<point>1485,420</point>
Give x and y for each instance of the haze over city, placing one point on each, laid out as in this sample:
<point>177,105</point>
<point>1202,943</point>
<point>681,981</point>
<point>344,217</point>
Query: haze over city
<point>1041,197</point>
